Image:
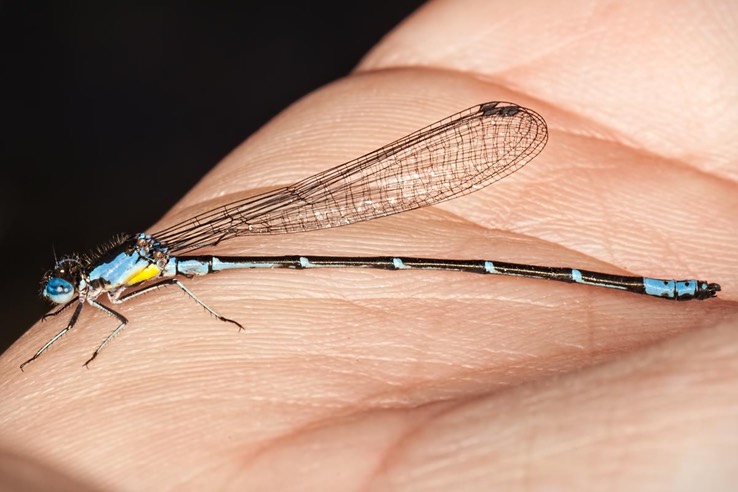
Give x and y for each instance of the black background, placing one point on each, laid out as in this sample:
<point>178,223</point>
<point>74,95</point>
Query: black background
<point>97,94</point>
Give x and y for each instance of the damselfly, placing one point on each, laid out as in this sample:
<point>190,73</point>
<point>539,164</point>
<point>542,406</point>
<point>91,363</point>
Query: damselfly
<point>453,157</point>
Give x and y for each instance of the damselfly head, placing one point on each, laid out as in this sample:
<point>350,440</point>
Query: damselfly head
<point>59,285</point>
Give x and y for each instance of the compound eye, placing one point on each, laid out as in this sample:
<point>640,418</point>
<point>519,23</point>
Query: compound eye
<point>58,290</point>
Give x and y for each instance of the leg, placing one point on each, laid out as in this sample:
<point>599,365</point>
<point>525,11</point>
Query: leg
<point>54,313</point>
<point>174,281</point>
<point>131,295</point>
<point>115,314</point>
<point>56,337</point>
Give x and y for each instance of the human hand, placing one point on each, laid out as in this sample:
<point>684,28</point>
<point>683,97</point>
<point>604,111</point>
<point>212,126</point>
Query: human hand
<point>435,380</point>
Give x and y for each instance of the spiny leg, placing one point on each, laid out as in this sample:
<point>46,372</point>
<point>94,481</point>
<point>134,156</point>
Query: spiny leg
<point>56,337</point>
<point>145,290</point>
<point>174,281</point>
<point>115,314</point>
<point>62,308</point>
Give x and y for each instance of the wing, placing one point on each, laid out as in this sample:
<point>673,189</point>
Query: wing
<point>453,157</point>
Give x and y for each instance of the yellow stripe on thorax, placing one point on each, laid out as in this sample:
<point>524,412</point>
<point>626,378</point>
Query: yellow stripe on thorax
<point>147,273</point>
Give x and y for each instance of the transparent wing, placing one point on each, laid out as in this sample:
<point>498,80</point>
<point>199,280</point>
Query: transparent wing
<point>453,157</point>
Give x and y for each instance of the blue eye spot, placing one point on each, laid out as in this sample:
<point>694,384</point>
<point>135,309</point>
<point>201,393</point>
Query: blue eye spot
<point>58,290</point>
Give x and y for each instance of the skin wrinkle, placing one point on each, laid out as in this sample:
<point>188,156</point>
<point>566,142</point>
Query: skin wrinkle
<point>336,419</point>
<point>364,406</point>
<point>448,461</point>
<point>396,448</point>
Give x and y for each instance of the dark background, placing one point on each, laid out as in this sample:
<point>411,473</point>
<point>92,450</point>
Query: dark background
<point>98,96</point>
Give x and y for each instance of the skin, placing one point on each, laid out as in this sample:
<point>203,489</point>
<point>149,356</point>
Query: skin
<point>372,380</point>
